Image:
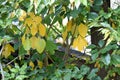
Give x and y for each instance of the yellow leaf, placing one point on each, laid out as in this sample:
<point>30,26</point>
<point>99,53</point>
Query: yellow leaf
<point>82,30</point>
<point>23,15</point>
<point>69,25</point>
<point>12,14</point>
<point>27,30</point>
<point>113,25</point>
<point>40,64</point>
<point>38,44</point>
<point>75,30</point>
<point>75,43</point>
<point>34,42</point>
<point>113,74</point>
<point>31,64</point>
<point>34,29</point>
<point>37,19</point>
<point>42,30</point>
<point>32,15</point>
<point>64,35</point>
<point>9,66</point>
<point>28,22</point>
<point>51,10</point>
<point>7,50</point>
<point>23,38</point>
<point>80,43</point>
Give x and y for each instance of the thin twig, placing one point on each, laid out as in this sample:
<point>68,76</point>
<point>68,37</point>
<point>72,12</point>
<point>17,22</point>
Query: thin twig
<point>12,60</point>
<point>50,58</point>
<point>1,68</point>
<point>2,72</point>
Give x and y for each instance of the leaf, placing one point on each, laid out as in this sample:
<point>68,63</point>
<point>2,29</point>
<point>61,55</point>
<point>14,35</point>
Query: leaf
<point>51,47</point>
<point>34,29</point>
<point>33,41</point>
<point>82,43</point>
<point>7,50</point>
<point>28,22</point>
<point>40,64</point>
<point>92,74</point>
<point>23,15</point>
<point>115,59</point>
<point>64,35</point>
<point>77,3</point>
<point>98,2</point>
<point>106,60</point>
<point>92,16</point>
<point>74,30</point>
<point>26,44</point>
<point>79,43</point>
<point>40,45</point>
<point>37,19</point>
<point>31,14</point>
<point>42,30</point>
<point>67,76</point>
<point>84,2</point>
<point>101,43</point>
<point>113,25</point>
<point>31,64</point>
<point>94,56</point>
<point>82,30</point>
<point>69,25</point>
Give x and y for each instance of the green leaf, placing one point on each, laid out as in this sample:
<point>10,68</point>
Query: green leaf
<point>74,13</point>
<point>51,47</point>
<point>67,76</point>
<point>21,77</point>
<point>98,2</point>
<point>14,70</point>
<point>23,68</point>
<point>92,74</point>
<point>22,51</point>
<point>41,45</point>
<point>39,78</point>
<point>27,44</point>
<point>101,43</point>
<point>91,46</point>
<point>58,73</point>
<point>106,59</point>
<point>115,59</point>
<point>84,2</point>
<point>92,16</point>
<point>94,56</point>
<point>77,3</point>
<point>96,78</point>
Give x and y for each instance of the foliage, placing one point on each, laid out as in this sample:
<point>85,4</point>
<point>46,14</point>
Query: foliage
<point>29,30</point>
